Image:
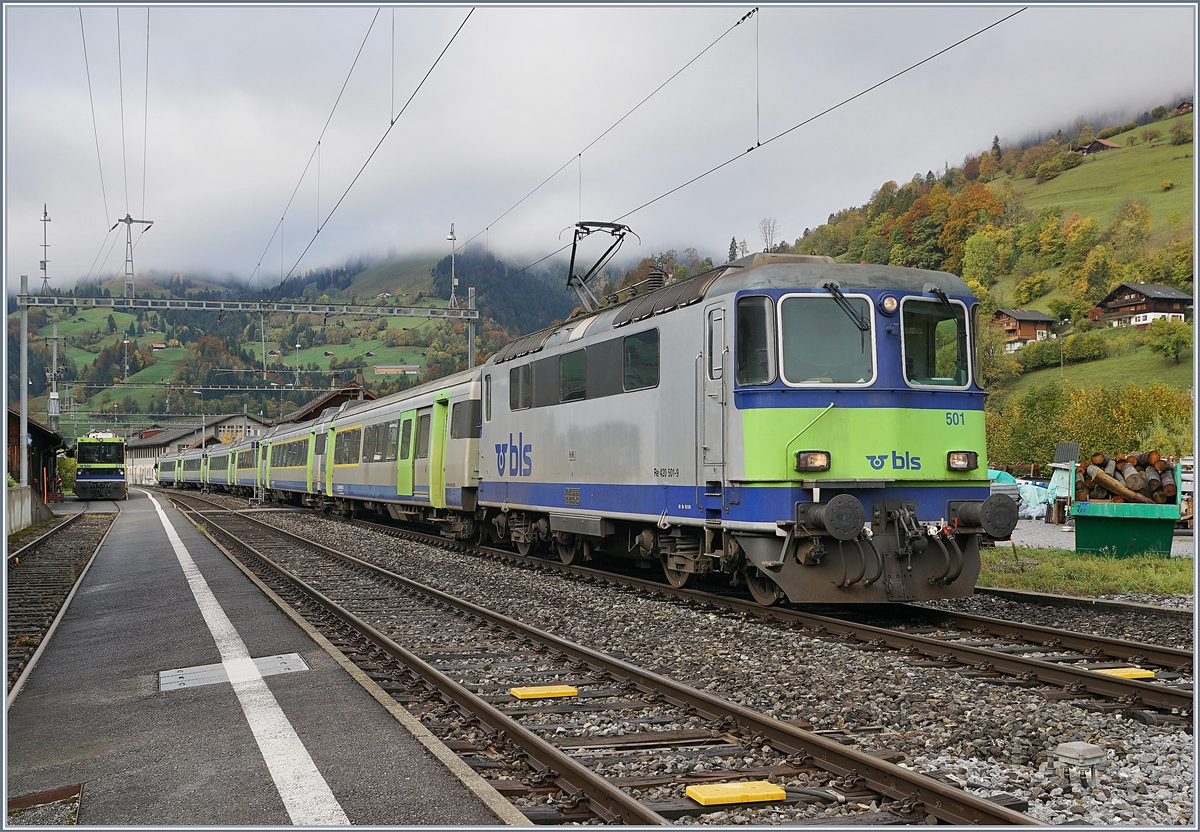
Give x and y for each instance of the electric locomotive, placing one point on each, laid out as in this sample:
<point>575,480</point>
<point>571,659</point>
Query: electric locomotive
<point>810,430</point>
<point>100,468</point>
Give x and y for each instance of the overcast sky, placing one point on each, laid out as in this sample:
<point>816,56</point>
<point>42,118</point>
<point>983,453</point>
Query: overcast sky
<point>237,98</point>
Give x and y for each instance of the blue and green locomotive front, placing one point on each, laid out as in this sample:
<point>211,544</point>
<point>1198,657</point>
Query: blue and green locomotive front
<point>100,468</point>
<point>857,425</point>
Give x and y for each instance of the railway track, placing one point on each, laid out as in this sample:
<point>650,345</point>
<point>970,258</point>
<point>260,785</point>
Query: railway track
<point>41,581</point>
<point>566,758</point>
<point>1080,665</point>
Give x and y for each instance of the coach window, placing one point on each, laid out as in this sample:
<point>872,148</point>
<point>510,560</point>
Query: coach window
<point>406,439</point>
<point>827,339</point>
<point>423,436</point>
<point>520,388</point>
<point>487,396</point>
<point>755,340</point>
<point>935,343</point>
<point>572,376</point>
<point>393,438</point>
<point>640,361</point>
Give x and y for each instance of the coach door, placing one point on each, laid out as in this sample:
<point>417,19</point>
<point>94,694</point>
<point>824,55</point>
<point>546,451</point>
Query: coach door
<point>404,454</point>
<point>421,446</point>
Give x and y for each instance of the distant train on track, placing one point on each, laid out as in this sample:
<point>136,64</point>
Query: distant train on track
<point>810,430</point>
<point>100,468</point>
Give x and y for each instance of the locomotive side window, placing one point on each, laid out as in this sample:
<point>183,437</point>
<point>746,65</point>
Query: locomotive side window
<point>572,376</point>
<point>393,438</point>
<point>520,388</point>
<point>487,396</point>
<point>755,341</point>
<point>464,420</point>
<point>935,343</point>
<point>423,436</point>
<point>641,361</point>
<point>825,342</point>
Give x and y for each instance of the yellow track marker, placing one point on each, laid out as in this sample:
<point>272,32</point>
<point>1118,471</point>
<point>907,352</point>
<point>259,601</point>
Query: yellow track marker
<point>544,692</point>
<point>1127,672</point>
<point>712,794</point>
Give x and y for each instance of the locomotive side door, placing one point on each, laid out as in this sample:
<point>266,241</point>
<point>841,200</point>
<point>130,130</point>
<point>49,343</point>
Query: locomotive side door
<point>712,405</point>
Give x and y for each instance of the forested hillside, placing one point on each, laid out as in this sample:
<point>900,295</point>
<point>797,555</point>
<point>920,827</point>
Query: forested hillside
<point>1046,227</point>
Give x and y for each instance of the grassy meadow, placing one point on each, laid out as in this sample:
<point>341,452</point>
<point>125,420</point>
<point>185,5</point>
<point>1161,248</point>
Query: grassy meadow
<point>1065,572</point>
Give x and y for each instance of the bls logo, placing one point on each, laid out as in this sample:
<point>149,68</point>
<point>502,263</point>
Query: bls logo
<point>515,456</point>
<point>899,463</point>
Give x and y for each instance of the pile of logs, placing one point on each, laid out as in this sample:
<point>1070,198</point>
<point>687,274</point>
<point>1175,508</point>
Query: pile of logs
<point>1144,477</point>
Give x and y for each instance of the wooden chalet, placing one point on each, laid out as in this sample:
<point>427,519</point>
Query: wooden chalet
<point>1137,304</point>
<point>354,391</point>
<point>1022,326</point>
<point>1097,146</point>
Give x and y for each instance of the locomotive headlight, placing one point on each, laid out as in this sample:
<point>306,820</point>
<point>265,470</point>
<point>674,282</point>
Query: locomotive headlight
<point>962,460</point>
<point>812,460</point>
<point>888,304</point>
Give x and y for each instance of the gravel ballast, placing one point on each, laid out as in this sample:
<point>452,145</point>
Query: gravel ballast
<point>993,737</point>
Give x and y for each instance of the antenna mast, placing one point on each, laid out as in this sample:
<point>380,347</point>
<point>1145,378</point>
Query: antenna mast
<point>129,221</point>
<point>45,251</point>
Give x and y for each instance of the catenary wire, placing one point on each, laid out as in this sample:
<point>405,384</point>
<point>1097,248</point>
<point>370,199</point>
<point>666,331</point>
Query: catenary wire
<point>121,82</point>
<point>818,115</point>
<point>374,151</point>
<point>480,290</point>
<point>315,151</point>
<point>146,112</point>
<point>614,125</point>
<point>95,130</point>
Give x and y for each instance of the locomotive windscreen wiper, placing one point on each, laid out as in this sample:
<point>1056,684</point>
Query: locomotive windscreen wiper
<point>858,318</point>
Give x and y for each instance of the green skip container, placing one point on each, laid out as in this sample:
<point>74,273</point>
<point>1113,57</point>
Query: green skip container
<point>1121,530</point>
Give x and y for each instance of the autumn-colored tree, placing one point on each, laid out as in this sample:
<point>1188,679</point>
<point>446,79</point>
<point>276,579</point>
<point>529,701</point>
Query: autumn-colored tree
<point>1100,270</point>
<point>1129,229</point>
<point>981,260</point>
<point>1169,338</point>
<point>989,167</point>
<point>969,210</point>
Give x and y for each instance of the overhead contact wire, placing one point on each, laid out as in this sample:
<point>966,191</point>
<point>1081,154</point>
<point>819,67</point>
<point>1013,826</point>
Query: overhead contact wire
<point>316,149</point>
<point>95,129</point>
<point>375,150</point>
<point>121,82</point>
<point>824,112</point>
<point>615,124</point>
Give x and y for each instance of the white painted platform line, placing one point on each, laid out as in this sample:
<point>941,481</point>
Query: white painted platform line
<point>306,796</point>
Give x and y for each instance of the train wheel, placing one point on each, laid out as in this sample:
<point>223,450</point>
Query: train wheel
<point>570,553</point>
<point>765,591</point>
<point>523,548</point>
<point>678,578</point>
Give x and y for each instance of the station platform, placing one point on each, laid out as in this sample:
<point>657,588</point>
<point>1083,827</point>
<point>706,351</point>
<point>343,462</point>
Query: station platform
<point>256,724</point>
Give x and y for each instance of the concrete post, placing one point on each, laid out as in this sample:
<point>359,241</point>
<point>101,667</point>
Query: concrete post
<point>24,382</point>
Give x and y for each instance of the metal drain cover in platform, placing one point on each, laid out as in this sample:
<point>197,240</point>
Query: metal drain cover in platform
<point>215,674</point>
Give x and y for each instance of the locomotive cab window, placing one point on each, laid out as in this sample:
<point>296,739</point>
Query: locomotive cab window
<point>935,343</point>
<point>827,339</point>
<point>755,341</point>
<point>640,361</point>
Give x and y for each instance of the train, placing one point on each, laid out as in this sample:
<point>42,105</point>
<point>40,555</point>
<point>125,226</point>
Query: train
<point>100,468</point>
<point>808,430</point>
